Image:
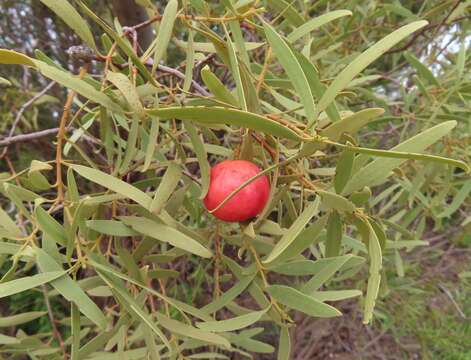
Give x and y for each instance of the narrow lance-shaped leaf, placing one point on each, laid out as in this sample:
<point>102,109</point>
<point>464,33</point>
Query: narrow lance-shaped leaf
<point>294,71</point>
<point>72,18</point>
<point>296,300</point>
<point>216,87</point>
<point>316,23</point>
<point>202,156</point>
<point>167,234</point>
<point>284,348</point>
<point>166,187</point>
<point>236,323</point>
<point>165,33</point>
<point>219,115</point>
<point>293,231</point>
<point>235,70</point>
<point>128,90</point>
<point>70,290</point>
<point>30,282</point>
<point>365,59</point>
<point>19,319</point>
<point>334,235</point>
<point>114,184</point>
<point>379,170</point>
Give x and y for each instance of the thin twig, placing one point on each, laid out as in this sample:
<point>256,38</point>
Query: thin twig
<point>20,114</point>
<point>27,137</point>
<point>50,313</point>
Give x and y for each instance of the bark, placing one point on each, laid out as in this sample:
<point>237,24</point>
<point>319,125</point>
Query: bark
<point>129,13</point>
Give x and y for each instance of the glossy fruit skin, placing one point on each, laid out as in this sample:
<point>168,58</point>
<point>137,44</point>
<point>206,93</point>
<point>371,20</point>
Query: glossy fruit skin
<point>227,176</point>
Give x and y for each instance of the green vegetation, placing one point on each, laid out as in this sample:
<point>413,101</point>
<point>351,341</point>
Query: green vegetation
<point>358,113</point>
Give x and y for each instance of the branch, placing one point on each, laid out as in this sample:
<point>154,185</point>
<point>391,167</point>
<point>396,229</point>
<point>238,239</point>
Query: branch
<point>20,114</point>
<point>27,137</point>
<point>425,29</point>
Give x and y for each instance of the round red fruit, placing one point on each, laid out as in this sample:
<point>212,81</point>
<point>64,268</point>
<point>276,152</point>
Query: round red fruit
<point>248,202</point>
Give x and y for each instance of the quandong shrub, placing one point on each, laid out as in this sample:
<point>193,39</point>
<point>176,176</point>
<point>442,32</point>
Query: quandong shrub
<point>118,227</point>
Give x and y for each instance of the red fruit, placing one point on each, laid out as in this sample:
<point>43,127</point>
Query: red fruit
<point>248,202</point>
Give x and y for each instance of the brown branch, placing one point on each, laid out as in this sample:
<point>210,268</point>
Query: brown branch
<point>28,137</point>
<point>20,114</point>
<point>424,30</point>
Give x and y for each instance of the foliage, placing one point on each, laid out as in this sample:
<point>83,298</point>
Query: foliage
<point>114,226</point>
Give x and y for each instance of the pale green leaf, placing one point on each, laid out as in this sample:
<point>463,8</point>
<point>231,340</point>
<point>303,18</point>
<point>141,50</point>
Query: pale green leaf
<point>232,324</point>
<point>296,300</point>
<point>114,184</point>
<point>293,231</point>
<point>379,170</point>
<point>16,286</point>
<point>316,23</point>
<point>167,234</point>
<point>293,69</point>
<point>366,58</point>
<point>70,290</point>
<point>19,319</point>
<point>166,187</point>
<point>219,115</point>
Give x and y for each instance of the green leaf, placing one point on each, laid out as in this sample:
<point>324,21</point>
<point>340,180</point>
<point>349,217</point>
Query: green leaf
<point>377,171</point>
<point>216,87</point>
<point>351,124</point>
<point>190,62</point>
<point>19,319</point>
<point>111,227</point>
<point>363,60</point>
<point>165,33</point>
<point>309,267</point>
<point>331,200</point>
<point>210,48</point>
<point>343,170</point>
<point>220,115</point>
<point>294,71</point>
<point>8,224</point>
<point>180,328</point>
<point>334,235</point>
<point>287,9</point>
<point>335,295</point>
<point>132,305</point>
<point>122,43</point>
<point>15,58</point>
<point>458,199</point>
<point>70,290</point>
<point>328,271</point>
<point>306,238</point>
<point>374,279</point>
<point>114,184</point>
<point>3,81</point>
<point>294,231</point>
<point>202,156</point>
<point>422,70</point>
<point>166,187</point>
<point>296,300</point>
<point>128,90</point>
<point>234,66</point>
<point>72,18</point>
<point>229,295</point>
<point>75,83</point>
<point>316,23</point>
<point>151,144</point>
<point>167,234</point>
<point>284,344</point>
<point>8,340</point>
<point>50,226</point>
<point>16,286</point>
<point>232,324</point>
